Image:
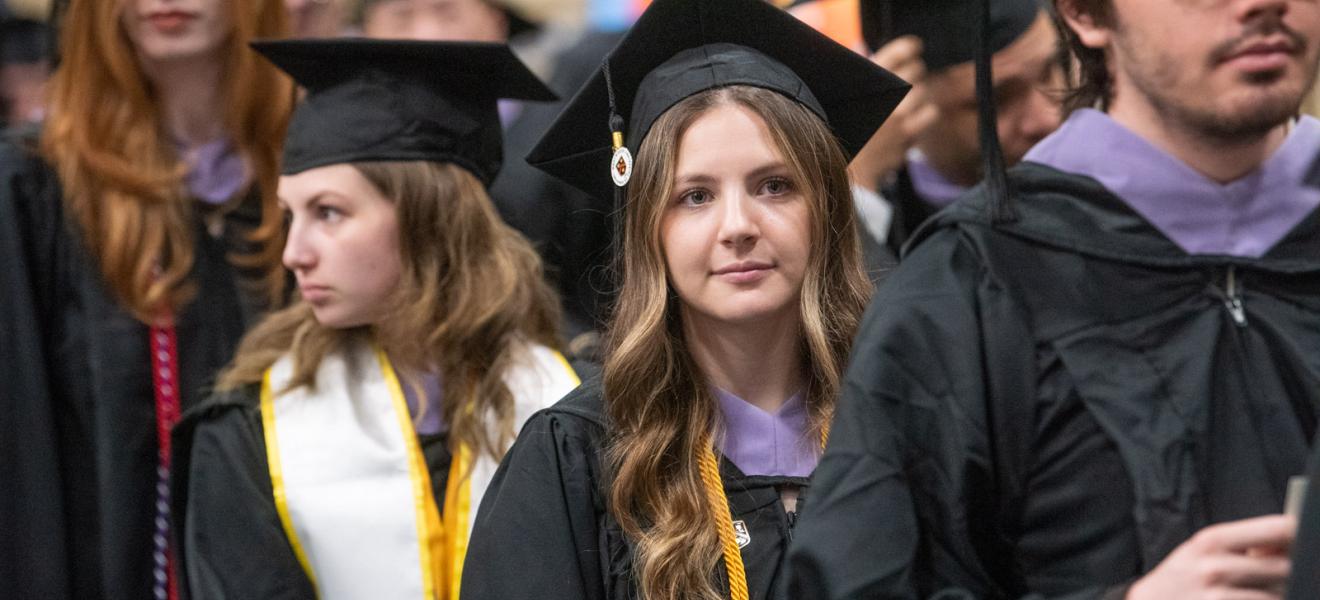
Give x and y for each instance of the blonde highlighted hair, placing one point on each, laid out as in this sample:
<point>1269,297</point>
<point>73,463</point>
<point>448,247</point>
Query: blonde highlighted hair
<point>472,291</point>
<point>661,412</point>
<point>122,179</point>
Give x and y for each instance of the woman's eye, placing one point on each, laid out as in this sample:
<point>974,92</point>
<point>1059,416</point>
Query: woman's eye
<point>695,198</point>
<point>329,213</point>
<point>777,186</point>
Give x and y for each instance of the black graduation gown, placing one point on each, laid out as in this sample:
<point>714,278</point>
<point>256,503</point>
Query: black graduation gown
<point>877,258</point>
<point>543,531</point>
<point>1047,408</point>
<point>232,541</point>
<point>1305,581</point>
<point>78,445</point>
<point>910,210</point>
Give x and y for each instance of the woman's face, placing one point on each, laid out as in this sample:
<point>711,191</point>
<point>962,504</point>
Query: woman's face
<point>736,232</point>
<point>343,244</point>
<point>173,30</point>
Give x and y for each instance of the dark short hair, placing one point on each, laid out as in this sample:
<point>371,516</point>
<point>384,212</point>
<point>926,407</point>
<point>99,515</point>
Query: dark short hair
<point>1089,82</point>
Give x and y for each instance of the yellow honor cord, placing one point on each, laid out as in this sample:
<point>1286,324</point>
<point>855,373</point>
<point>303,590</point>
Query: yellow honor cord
<point>430,530</point>
<point>457,513</point>
<point>458,508</point>
<point>719,502</point>
<point>278,491</point>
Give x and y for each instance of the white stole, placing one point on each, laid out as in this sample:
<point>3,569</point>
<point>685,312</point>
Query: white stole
<point>351,485</point>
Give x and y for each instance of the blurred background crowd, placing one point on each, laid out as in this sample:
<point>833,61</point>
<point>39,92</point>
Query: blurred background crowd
<point>543,32</point>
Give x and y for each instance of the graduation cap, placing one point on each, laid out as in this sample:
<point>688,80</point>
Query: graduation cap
<point>678,48</point>
<point>370,100</point>
<point>948,29</point>
<point>954,32</point>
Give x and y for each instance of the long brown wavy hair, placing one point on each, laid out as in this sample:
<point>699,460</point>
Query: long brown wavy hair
<point>661,412</point>
<point>472,291</point>
<point>122,178</point>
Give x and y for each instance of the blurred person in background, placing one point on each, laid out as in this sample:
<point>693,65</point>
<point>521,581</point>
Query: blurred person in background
<point>927,154</point>
<point>838,19</point>
<point>442,20</point>
<point>318,18</point>
<point>139,236</point>
<point>24,69</point>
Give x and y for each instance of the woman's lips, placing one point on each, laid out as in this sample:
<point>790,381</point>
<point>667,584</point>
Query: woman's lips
<point>745,272</point>
<point>314,293</point>
<point>171,22</point>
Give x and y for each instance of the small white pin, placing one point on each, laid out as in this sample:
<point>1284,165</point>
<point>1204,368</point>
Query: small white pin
<point>621,166</point>
<point>740,534</point>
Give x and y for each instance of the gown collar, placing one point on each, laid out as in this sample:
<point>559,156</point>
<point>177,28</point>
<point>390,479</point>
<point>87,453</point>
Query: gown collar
<point>1242,218</point>
<point>763,443</point>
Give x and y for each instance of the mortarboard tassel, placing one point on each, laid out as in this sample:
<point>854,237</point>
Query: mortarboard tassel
<point>621,162</point>
<point>992,155</point>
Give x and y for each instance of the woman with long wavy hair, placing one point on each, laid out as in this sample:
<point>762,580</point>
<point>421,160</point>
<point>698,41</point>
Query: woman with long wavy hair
<point>139,236</point>
<point>348,445</point>
<point>679,472</point>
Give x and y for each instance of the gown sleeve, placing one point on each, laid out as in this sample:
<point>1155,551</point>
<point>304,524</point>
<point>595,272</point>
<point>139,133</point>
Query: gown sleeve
<point>920,484</point>
<point>232,542</point>
<point>537,533</point>
<point>33,553</point>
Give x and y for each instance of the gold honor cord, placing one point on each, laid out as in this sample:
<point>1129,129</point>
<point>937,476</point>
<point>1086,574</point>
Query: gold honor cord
<point>719,503</point>
<point>278,490</point>
<point>458,508</point>
<point>430,529</point>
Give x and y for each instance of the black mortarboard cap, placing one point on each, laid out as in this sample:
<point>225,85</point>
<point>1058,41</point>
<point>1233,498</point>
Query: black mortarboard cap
<point>378,100</point>
<point>947,28</point>
<point>678,48</point>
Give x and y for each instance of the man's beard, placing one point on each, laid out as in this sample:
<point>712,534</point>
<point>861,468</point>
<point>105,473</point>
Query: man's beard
<point>1155,76</point>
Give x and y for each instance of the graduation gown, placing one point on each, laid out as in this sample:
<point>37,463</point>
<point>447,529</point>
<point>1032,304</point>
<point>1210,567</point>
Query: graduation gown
<point>1305,581</point>
<point>543,530</point>
<point>78,441</point>
<point>1047,408</point>
<point>238,542</point>
<point>910,210</point>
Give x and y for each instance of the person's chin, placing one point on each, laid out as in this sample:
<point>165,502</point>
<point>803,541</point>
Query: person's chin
<point>325,316</point>
<point>334,317</point>
<point>749,308</point>
<point>171,50</point>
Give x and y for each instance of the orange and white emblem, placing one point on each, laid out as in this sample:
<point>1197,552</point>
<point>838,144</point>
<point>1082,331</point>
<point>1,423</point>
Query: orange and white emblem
<point>621,166</point>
